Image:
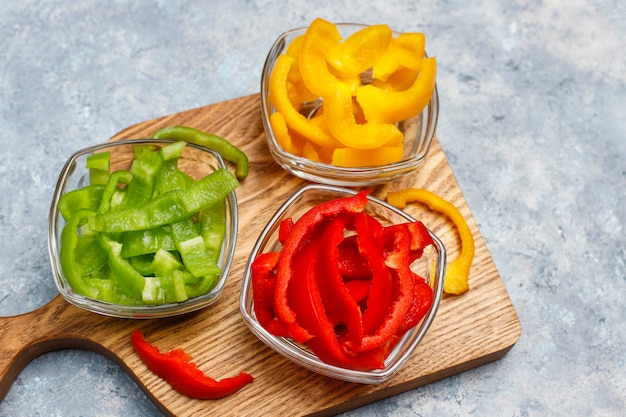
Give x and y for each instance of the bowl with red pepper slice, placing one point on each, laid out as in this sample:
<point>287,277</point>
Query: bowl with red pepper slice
<point>349,104</point>
<point>343,283</point>
<point>143,228</point>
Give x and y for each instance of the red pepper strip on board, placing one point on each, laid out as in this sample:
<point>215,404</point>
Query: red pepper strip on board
<point>183,375</point>
<point>300,232</point>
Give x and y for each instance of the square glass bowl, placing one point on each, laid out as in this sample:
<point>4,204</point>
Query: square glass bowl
<point>196,161</point>
<point>431,265</point>
<point>419,132</point>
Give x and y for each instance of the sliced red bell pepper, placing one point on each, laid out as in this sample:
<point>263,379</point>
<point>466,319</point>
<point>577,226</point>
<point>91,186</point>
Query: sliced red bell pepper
<point>422,301</point>
<point>370,232</point>
<point>340,307</point>
<point>300,232</point>
<point>182,374</point>
<point>397,261</point>
<point>359,289</point>
<point>284,229</point>
<point>263,285</point>
<point>349,299</point>
<point>351,264</point>
<point>305,297</point>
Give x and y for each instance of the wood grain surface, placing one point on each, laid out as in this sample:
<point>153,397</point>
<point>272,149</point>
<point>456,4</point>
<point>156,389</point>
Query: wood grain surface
<point>475,328</point>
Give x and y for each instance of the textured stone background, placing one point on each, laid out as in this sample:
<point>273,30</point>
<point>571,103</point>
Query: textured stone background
<point>533,98</point>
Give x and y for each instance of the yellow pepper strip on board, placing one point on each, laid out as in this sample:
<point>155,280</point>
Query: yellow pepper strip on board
<point>359,51</point>
<point>456,280</point>
<point>341,121</point>
<point>388,106</point>
<point>280,99</point>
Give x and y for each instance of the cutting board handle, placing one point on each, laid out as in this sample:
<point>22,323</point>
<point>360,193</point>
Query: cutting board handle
<point>56,325</point>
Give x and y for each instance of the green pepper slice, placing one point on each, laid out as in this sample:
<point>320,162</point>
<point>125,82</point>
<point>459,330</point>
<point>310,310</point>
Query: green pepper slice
<point>168,207</point>
<point>227,150</point>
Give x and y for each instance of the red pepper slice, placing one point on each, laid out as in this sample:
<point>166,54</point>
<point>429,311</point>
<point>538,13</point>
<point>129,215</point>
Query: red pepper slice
<point>263,285</point>
<point>398,262</point>
<point>176,368</point>
<point>351,264</point>
<point>305,297</point>
<point>284,228</point>
<point>341,308</point>
<point>420,238</point>
<point>300,232</point>
<point>359,289</point>
<point>370,232</point>
<point>422,300</point>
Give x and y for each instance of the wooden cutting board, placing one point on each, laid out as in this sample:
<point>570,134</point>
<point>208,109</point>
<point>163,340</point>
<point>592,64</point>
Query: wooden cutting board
<point>469,330</point>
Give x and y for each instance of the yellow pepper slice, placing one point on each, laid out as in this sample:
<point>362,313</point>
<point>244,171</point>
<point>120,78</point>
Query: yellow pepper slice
<point>388,106</point>
<point>456,280</point>
<point>320,37</point>
<point>280,99</point>
<point>359,51</point>
<point>297,90</point>
<point>402,79</point>
<point>281,132</point>
<point>352,158</point>
<point>341,121</point>
<point>405,51</point>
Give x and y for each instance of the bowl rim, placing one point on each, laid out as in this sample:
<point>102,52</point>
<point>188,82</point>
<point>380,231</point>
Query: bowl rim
<point>137,311</point>
<point>296,354</point>
<point>342,176</point>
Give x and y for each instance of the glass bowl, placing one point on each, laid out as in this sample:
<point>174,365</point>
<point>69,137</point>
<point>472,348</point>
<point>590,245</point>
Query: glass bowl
<point>196,161</point>
<point>419,132</point>
<point>431,265</point>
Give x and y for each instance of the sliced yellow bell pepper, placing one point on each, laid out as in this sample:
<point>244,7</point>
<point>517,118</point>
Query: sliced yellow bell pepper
<point>341,121</point>
<point>320,37</point>
<point>354,124</point>
<point>297,90</point>
<point>389,106</point>
<point>309,152</point>
<point>456,280</point>
<point>281,132</point>
<point>405,51</point>
<point>402,79</point>
<point>353,158</point>
<point>280,99</point>
<point>359,51</point>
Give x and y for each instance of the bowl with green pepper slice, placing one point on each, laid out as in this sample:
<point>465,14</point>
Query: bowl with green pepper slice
<point>143,228</point>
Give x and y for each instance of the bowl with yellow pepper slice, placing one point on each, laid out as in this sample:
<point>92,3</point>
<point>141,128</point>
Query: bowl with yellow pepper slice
<point>348,104</point>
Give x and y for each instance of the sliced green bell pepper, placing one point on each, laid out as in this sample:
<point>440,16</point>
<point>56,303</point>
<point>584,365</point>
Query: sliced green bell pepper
<point>227,150</point>
<point>147,235</point>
